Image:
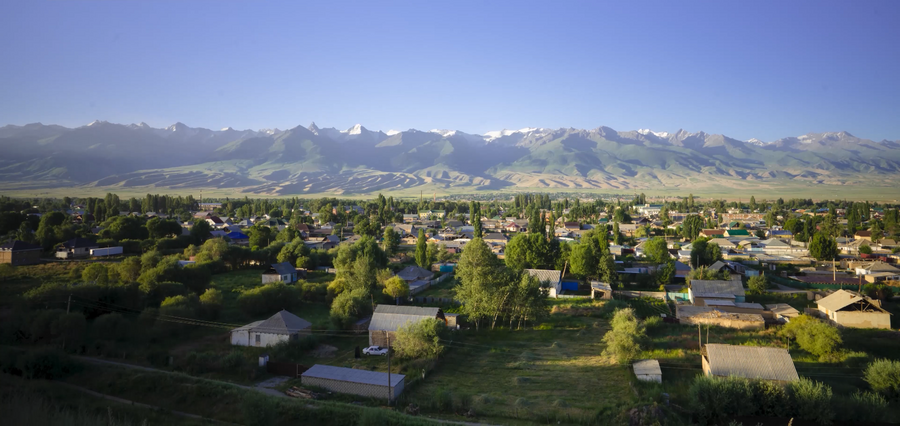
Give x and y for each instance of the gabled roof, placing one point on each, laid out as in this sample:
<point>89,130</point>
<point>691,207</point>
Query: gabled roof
<point>717,287</point>
<point>751,362</point>
<point>283,268</point>
<point>881,267</point>
<point>713,232</point>
<point>390,317</point>
<point>843,298</point>
<point>414,273</point>
<point>237,235</point>
<point>494,236</point>
<point>549,275</point>
<point>283,322</point>
<point>77,243</point>
<point>647,367</point>
<point>734,232</point>
<point>19,246</point>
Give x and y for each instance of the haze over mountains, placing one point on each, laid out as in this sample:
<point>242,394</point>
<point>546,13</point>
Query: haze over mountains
<point>357,160</point>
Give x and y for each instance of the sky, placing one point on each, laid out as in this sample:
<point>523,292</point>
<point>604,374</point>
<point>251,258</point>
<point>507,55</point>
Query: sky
<point>750,69</point>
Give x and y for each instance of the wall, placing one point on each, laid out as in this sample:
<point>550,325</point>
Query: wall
<point>267,339</point>
<point>27,257</point>
<point>270,278</point>
<point>650,378</point>
<point>378,338</point>
<point>361,389</point>
<point>725,322</point>
<point>856,319</point>
<point>240,338</point>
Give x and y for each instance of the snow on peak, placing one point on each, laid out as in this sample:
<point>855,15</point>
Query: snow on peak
<point>489,136</point>
<point>391,132</point>
<point>96,122</point>
<point>225,129</point>
<point>646,132</point>
<point>355,130</point>
<point>755,141</point>
<point>443,132</point>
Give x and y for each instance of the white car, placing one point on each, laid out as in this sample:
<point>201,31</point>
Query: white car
<point>375,350</point>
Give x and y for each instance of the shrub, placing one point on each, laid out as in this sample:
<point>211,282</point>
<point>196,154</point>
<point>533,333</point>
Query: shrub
<point>420,339</point>
<point>883,375</point>
<point>811,400</point>
<point>865,249</point>
<point>758,284</point>
<point>623,340</point>
<point>814,336</point>
<point>863,407</point>
<point>258,410</point>
<point>268,299</point>
<point>211,303</point>
<point>45,364</point>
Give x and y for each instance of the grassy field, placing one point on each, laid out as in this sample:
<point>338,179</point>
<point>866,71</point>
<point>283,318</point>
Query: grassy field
<point>445,289</point>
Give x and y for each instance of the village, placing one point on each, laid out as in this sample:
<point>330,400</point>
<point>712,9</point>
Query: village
<point>513,310</point>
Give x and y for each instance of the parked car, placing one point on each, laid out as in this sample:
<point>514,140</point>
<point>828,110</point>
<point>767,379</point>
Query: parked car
<point>375,350</point>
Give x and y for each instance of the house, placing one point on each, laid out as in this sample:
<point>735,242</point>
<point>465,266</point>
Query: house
<point>783,311</point>
<point>405,230</point>
<point>425,214</point>
<point>388,318</point>
<point>732,267</point>
<point>750,362</point>
<point>238,238</point>
<point>850,309</point>
<point>715,289</point>
<point>876,267</point>
<point>208,207</point>
<point>723,243</point>
<point>512,227</point>
<point>494,238</point>
<point>648,370</point>
<point>281,327</point>
<point>354,381</point>
<point>649,209</point>
<point>415,273</point>
<point>863,235</point>
<point>737,233</point>
<point>303,229</point>
<point>410,218</point>
<point>779,233</point>
<point>215,221</point>
<point>280,272</point>
<point>20,253</point>
<point>550,279</point>
<point>76,248</point>
<point>572,226</point>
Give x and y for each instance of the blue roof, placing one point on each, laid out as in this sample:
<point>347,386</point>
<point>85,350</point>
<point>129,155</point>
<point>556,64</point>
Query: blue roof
<point>237,236</point>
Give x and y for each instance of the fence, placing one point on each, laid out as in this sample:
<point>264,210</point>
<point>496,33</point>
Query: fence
<point>437,300</point>
<point>631,293</point>
<point>289,369</point>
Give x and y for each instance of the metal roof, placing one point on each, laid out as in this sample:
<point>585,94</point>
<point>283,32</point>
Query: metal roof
<point>353,375</point>
<point>843,298</point>
<point>283,268</point>
<point>549,275</point>
<point>752,362</point>
<point>283,322</point>
<point>717,287</point>
<point>783,309</point>
<point>391,317</point>
<point>414,273</point>
<point>18,246</point>
<point>80,243</point>
<point>647,367</point>
<point>748,305</point>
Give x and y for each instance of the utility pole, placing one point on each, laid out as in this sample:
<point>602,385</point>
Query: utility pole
<point>69,304</point>
<point>390,391</point>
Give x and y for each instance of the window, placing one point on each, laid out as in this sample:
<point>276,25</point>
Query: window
<point>257,338</point>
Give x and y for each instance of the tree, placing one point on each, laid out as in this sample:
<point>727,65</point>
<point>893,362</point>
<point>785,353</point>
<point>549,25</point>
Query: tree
<point>657,250</point>
<point>665,273</point>
<point>584,259</point>
<point>391,240</point>
<point>420,339</point>
<point>396,287</point>
<point>758,284</point>
<point>201,231</point>
<point>96,273</point>
<point>477,272</point>
<point>623,340</point>
<point>617,236</point>
<point>877,231</point>
<point>883,375</point>
<point>422,250</point>
<point>211,303</point>
<point>691,227</point>
<point>814,336</point>
<point>865,249</point>
<point>822,247</point>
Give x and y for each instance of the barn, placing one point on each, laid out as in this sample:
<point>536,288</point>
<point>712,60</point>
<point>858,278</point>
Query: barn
<point>20,253</point>
<point>366,383</point>
<point>280,327</point>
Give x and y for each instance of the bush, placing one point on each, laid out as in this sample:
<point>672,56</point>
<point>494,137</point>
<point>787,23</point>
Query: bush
<point>811,400</point>
<point>258,410</point>
<point>211,303</point>
<point>814,336</point>
<point>758,284</point>
<point>865,249</point>
<point>863,407</point>
<point>883,375</point>
<point>45,364</point>
<point>420,339</point>
<point>623,340</point>
<point>714,399</point>
<point>268,299</point>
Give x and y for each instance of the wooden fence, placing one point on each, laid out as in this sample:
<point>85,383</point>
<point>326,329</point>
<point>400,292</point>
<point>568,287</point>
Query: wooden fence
<point>289,369</point>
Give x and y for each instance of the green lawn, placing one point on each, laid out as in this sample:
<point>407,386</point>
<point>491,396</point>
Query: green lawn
<point>445,289</point>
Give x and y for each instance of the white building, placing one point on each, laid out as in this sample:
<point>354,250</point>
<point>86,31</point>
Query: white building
<point>280,327</point>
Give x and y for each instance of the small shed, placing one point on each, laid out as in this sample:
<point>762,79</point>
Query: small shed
<point>373,384</point>
<point>716,289</point>
<point>648,370</point>
<point>280,327</point>
<point>280,272</point>
<point>414,273</point>
<point>601,290</point>
<point>551,278</point>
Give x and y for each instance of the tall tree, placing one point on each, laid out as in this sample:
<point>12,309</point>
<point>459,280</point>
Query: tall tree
<point>422,250</point>
<point>823,247</point>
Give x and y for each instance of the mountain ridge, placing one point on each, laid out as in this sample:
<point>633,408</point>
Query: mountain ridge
<point>359,160</point>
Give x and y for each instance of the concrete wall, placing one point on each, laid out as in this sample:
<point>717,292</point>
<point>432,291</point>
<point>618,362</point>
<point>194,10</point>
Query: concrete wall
<point>725,322</point>
<point>271,278</point>
<point>248,338</point>
<point>650,377</point>
<point>856,319</point>
<point>361,389</point>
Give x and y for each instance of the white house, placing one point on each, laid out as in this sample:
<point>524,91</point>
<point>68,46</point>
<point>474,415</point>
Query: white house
<point>280,327</point>
<point>552,279</point>
<point>283,272</point>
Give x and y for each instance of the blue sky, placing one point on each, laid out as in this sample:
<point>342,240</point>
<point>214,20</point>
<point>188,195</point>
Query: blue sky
<point>749,69</point>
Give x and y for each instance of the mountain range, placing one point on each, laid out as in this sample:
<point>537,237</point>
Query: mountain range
<point>357,160</point>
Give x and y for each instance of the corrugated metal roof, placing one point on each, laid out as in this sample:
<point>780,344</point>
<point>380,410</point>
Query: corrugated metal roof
<point>283,322</point>
<point>414,273</point>
<point>353,375</point>
<point>783,309</point>
<point>838,300</point>
<point>19,246</point>
<point>719,302</point>
<point>718,287</point>
<point>549,275</point>
<point>748,305</point>
<point>647,367</point>
<point>283,268</point>
<point>752,362</point>
<point>390,317</point>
